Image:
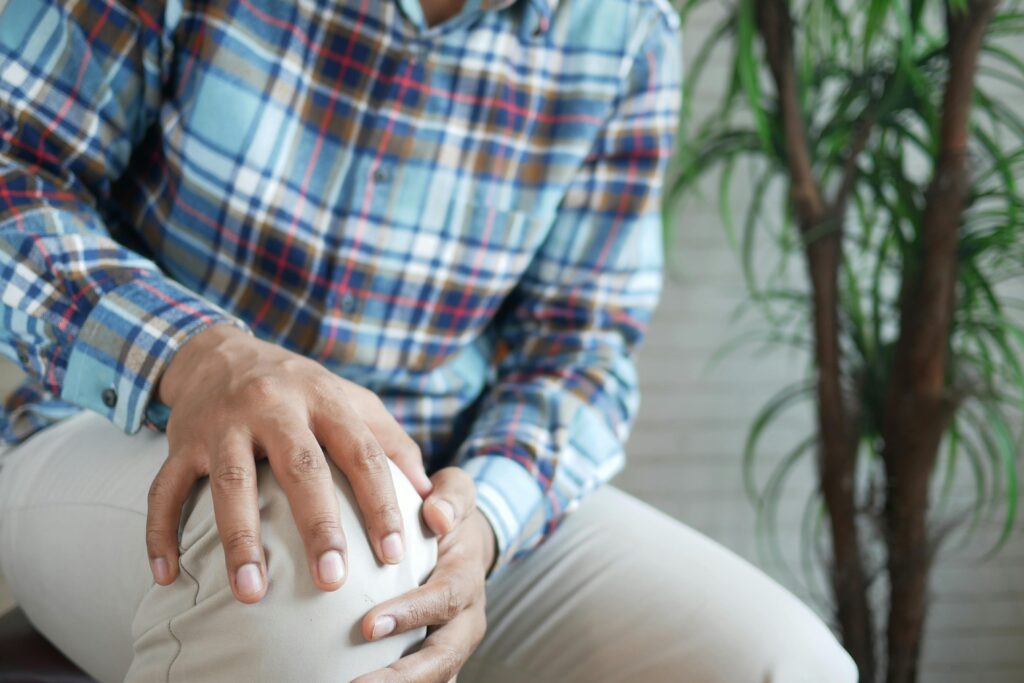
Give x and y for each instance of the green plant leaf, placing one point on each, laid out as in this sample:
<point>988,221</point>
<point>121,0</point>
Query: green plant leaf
<point>878,12</point>
<point>748,68</point>
<point>783,400</point>
<point>1003,442</point>
<point>768,503</point>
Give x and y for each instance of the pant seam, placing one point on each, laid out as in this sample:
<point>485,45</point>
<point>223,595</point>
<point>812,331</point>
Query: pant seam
<point>170,629</point>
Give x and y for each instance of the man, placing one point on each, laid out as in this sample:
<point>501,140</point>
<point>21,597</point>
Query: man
<point>309,238</point>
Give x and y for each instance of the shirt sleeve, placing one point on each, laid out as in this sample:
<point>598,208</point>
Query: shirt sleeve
<point>552,427</point>
<point>92,321</point>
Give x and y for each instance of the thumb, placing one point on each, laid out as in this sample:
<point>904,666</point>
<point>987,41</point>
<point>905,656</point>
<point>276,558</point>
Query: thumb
<point>452,499</point>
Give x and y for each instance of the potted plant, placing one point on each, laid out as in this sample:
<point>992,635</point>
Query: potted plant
<point>889,125</point>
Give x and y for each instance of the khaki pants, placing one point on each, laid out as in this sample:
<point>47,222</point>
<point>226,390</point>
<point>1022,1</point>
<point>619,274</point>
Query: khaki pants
<point>620,593</point>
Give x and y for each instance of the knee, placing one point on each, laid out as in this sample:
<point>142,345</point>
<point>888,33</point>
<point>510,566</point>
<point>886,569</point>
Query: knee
<point>297,631</point>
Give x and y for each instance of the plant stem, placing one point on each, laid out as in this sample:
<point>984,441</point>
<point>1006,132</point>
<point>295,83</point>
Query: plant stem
<point>822,230</point>
<point>918,405</point>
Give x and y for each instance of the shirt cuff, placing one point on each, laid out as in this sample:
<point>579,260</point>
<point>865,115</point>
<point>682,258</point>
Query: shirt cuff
<point>130,336</point>
<point>512,501</point>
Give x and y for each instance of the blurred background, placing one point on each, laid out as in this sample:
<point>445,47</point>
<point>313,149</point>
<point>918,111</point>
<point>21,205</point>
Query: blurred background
<point>686,453</point>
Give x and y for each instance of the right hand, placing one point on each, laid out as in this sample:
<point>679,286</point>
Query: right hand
<point>234,398</point>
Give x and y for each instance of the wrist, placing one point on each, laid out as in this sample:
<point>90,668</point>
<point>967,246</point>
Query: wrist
<point>187,357</point>
<point>488,541</point>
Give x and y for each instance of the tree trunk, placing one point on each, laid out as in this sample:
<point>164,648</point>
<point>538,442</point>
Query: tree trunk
<point>918,408</point>
<point>918,405</point>
<point>821,226</point>
<point>837,461</point>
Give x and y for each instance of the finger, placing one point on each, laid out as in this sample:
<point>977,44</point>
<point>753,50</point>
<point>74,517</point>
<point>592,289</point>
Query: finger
<point>236,510</point>
<point>301,468</point>
<point>438,601</point>
<point>167,494</point>
<point>451,501</point>
<point>353,448</point>
<point>442,656</point>
<point>398,445</point>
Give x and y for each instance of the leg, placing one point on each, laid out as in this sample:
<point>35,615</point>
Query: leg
<point>624,593</point>
<point>72,547</point>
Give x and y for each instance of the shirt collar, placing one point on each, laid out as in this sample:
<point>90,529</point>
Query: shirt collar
<point>536,15</point>
<point>536,18</point>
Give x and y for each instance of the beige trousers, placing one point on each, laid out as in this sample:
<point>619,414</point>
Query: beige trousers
<point>620,593</point>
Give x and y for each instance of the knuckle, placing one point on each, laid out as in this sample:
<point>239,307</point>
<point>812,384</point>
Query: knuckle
<point>260,389</point>
<point>241,540</point>
<point>306,463</point>
<point>294,365</point>
<point>156,537</point>
<point>322,527</point>
<point>322,390</point>
<point>418,614</point>
<point>388,511</point>
<point>369,458</point>
<point>449,660</point>
<point>232,478</point>
<point>448,602</point>
<point>395,676</point>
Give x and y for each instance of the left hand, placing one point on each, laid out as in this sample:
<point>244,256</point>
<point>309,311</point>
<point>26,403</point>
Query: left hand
<point>452,601</point>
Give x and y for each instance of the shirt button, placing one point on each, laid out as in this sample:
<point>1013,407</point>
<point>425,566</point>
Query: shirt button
<point>109,397</point>
<point>23,357</point>
<point>348,303</point>
<point>382,175</point>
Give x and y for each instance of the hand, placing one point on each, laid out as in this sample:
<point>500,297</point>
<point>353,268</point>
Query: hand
<point>234,398</point>
<point>452,600</point>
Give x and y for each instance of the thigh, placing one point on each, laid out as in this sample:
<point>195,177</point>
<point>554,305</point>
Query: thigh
<point>72,548</point>
<point>72,536</point>
<point>623,593</point>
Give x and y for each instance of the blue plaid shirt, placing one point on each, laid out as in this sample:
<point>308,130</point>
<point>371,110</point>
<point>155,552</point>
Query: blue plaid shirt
<point>463,218</point>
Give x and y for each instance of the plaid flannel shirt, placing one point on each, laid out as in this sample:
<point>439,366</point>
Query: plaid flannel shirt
<point>463,218</point>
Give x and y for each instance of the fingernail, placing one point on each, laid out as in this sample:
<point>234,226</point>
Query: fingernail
<point>249,580</point>
<point>331,567</point>
<point>383,626</point>
<point>391,546</point>
<point>446,509</point>
<point>160,569</point>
